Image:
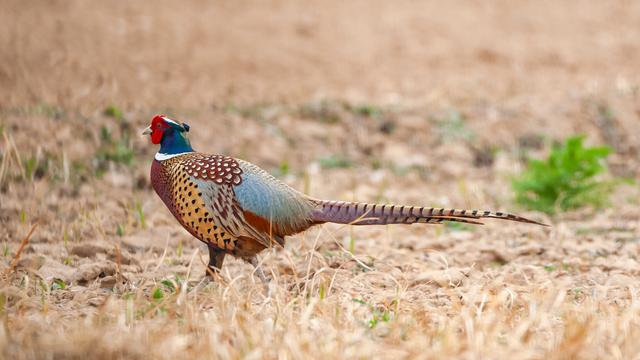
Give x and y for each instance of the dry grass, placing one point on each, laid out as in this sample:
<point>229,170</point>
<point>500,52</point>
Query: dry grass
<point>369,101</point>
<point>322,306</point>
<point>368,315</point>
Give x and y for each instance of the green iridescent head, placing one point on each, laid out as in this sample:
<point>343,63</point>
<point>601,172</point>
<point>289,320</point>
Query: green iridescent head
<point>171,135</point>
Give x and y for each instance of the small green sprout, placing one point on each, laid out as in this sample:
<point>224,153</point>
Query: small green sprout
<point>120,230</point>
<point>284,168</point>
<point>113,150</point>
<point>452,127</point>
<point>367,110</point>
<point>157,294</point>
<point>352,240</point>
<point>58,284</point>
<point>140,214</point>
<point>549,268</point>
<point>457,226</point>
<point>114,112</point>
<point>335,161</point>
<point>376,314</point>
<point>169,285</point>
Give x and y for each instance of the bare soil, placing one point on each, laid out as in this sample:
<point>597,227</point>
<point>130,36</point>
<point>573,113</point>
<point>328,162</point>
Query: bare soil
<point>421,103</point>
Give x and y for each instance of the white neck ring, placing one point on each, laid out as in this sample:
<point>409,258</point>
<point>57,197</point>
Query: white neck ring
<point>161,157</point>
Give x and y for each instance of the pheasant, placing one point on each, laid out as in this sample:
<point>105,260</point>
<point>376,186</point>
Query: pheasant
<point>237,208</point>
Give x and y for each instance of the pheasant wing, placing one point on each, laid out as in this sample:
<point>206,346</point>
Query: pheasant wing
<point>216,176</point>
<point>227,214</point>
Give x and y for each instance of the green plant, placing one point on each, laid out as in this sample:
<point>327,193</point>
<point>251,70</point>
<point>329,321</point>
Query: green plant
<point>452,127</point>
<point>283,169</point>
<point>366,110</point>
<point>113,150</point>
<point>169,285</point>
<point>179,249</point>
<point>377,315</point>
<point>567,179</point>
<point>550,268</point>
<point>34,167</point>
<point>58,284</point>
<point>335,161</point>
<point>456,226</point>
<point>157,294</point>
<point>114,112</point>
<point>119,230</point>
<point>140,213</point>
<point>352,241</point>
<point>116,150</point>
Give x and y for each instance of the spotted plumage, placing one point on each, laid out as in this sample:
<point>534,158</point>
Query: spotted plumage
<point>237,208</point>
<point>217,168</point>
<point>189,200</point>
<point>207,208</point>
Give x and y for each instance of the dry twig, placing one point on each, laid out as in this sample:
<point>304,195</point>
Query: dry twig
<point>16,258</point>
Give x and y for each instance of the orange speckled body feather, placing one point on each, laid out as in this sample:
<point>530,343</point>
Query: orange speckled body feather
<point>172,180</point>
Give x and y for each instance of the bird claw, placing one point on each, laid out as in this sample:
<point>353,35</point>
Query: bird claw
<point>258,270</point>
<point>262,276</point>
<point>211,273</point>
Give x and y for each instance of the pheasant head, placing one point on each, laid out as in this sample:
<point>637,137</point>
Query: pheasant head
<point>171,135</point>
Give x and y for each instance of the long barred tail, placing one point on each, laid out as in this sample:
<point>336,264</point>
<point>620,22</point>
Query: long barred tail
<point>342,212</point>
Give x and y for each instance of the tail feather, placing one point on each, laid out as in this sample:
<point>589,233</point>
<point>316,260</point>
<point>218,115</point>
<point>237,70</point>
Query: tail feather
<point>343,212</point>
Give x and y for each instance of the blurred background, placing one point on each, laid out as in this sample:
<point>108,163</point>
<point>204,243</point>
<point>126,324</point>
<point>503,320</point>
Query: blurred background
<point>437,90</point>
<point>414,102</point>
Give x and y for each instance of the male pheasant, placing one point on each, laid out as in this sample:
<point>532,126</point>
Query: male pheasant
<point>237,208</point>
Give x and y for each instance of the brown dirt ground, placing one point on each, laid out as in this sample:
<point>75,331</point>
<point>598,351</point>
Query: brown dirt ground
<point>298,88</point>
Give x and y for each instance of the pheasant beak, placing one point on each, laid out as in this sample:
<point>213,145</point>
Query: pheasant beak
<point>147,131</point>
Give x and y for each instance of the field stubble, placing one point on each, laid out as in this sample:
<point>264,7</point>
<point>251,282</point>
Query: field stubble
<point>109,273</point>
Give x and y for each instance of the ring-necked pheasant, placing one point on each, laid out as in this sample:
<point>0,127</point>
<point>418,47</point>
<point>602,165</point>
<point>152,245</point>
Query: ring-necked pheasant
<point>237,208</point>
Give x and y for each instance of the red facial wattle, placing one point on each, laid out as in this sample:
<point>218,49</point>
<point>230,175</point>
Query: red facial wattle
<point>158,125</point>
<point>156,135</point>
